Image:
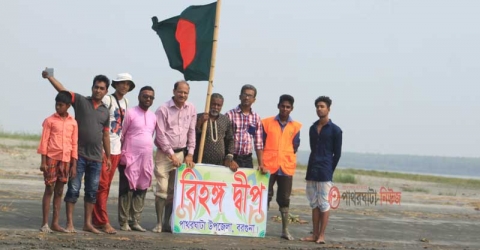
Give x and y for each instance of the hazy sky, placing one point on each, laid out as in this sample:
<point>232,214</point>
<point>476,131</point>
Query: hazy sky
<point>403,75</point>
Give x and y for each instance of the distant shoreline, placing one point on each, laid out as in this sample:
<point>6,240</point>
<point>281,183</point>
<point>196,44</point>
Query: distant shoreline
<point>442,166</point>
<point>459,167</point>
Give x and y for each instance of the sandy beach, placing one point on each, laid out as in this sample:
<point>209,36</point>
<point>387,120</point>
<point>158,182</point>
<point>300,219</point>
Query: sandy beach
<point>428,216</point>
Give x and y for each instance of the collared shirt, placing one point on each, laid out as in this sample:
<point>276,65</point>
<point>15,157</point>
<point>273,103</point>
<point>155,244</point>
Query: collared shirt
<point>326,149</point>
<point>93,119</point>
<point>59,138</point>
<point>295,142</point>
<point>175,127</point>
<point>246,128</point>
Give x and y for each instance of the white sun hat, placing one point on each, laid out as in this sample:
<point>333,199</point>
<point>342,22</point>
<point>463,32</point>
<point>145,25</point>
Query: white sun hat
<point>123,77</point>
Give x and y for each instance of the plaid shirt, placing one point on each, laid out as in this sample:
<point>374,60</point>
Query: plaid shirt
<point>245,129</point>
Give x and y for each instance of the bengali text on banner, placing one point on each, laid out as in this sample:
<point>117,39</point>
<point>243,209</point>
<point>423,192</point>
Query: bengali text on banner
<point>212,199</point>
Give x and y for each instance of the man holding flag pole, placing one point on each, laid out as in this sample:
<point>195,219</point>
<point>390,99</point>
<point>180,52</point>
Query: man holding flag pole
<point>190,42</point>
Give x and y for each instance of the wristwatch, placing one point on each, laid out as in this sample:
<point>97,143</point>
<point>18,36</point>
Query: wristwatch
<point>229,157</point>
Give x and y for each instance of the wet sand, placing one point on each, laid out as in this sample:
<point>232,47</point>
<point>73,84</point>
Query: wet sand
<point>436,217</point>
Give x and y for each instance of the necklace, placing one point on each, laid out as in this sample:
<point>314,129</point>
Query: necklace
<point>214,138</point>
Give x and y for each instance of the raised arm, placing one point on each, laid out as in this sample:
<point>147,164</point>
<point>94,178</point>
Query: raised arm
<point>55,83</point>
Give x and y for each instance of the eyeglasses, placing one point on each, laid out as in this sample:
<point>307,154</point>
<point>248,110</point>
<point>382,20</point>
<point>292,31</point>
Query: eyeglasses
<point>244,95</point>
<point>151,97</point>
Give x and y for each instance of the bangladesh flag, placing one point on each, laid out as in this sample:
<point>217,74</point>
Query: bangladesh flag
<point>188,40</point>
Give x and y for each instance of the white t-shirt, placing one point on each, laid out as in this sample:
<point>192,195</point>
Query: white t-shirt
<point>115,121</point>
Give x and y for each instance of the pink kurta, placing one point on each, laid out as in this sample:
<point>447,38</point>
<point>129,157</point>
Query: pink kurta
<point>137,147</point>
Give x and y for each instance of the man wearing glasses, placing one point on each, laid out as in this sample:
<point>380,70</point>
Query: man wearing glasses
<point>136,163</point>
<point>247,128</point>
<point>175,140</point>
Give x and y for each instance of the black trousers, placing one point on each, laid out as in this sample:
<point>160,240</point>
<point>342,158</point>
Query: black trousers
<point>284,189</point>
<point>244,161</point>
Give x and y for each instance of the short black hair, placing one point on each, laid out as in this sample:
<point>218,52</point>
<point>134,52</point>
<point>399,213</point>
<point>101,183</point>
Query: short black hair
<point>101,78</point>
<point>64,97</point>
<point>216,95</point>
<point>175,86</point>
<point>286,98</point>
<point>146,88</point>
<point>324,99</point>
<point>249,86</point>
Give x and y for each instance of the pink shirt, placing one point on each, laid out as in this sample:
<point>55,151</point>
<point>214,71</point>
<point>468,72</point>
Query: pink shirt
<point>175,127</point>
<point>137,147</point>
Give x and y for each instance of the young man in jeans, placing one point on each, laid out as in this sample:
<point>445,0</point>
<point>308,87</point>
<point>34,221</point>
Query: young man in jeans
<point>93,133</point>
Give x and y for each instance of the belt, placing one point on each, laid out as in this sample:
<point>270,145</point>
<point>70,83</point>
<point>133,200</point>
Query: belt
<point>178,150</point>
<point>242,156</point>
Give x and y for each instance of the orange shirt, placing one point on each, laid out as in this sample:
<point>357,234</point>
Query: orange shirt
<point>59,138</point>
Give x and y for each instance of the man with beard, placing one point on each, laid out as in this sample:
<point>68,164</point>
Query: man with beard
<point>218,148</point>
<point>326,148</point>
<point>136,164</point>
<point>282,139</point>
<point>117,104</point>
<point>247,127</point>
<point>93,132</point>
<point>175,137</point>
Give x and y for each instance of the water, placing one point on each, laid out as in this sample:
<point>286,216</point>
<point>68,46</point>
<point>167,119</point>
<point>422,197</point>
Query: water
<point>461,167</point>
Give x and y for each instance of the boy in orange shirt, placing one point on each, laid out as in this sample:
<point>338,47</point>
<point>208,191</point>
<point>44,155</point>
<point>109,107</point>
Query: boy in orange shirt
<point>59,150</point>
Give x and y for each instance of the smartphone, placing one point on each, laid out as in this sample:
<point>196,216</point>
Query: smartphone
<point>49,71</point>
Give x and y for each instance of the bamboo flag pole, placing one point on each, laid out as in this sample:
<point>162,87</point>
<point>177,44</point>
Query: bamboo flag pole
<point>210,80</point>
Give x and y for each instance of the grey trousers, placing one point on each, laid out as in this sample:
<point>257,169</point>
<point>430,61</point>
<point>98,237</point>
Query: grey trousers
<point>130,202</point>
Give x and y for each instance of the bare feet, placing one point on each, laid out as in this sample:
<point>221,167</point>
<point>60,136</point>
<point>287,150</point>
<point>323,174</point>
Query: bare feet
<point>309,238</point>
<point>320,240</point>
<point>58,228</point>
<point>107,228</point>
<point>157,229</point>
<point>90,228</point>
<point>70,229</point>
<point>46,229</point>
<point>137,227</point>
<point>125,227</point>
<point>286,235</point>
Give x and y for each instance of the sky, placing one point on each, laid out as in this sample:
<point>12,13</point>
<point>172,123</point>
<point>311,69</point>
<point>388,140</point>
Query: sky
<point>403,75</point>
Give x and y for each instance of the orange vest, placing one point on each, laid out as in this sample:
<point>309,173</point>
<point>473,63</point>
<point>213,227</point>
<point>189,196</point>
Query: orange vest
<point>278,151</point>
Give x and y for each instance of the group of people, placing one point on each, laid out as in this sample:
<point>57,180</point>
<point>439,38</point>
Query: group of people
<point>107,134</point>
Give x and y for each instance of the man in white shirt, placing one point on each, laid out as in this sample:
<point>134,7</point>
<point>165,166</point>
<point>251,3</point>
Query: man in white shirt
<point>117,105</point>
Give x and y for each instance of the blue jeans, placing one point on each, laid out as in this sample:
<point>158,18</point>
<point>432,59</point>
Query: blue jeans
<point>92,170</point>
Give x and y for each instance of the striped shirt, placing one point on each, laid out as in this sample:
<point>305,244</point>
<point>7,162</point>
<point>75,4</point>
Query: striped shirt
<point>246,128</point>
